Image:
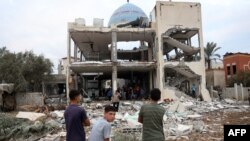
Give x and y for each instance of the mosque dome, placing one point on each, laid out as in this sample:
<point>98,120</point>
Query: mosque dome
<point>126,13</point>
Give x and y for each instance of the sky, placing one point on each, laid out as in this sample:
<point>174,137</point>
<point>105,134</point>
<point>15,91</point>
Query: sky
<point>41,25</point>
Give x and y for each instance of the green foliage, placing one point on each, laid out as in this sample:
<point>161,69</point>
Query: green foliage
<point>25,70</point>
<point>241,77</point>
<point>210,53</point>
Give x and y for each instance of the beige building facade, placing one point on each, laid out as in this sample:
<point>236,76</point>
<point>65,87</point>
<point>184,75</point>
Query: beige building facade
<point>170,53</point>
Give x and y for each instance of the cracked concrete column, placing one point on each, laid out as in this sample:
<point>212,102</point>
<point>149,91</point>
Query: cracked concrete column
<point>68,63</point>
<point>75,53</point>
<point>75,60</point>
<point>114,60</point>
<point>160,64</point>
<point>150,80</point>
<point>150,52</point>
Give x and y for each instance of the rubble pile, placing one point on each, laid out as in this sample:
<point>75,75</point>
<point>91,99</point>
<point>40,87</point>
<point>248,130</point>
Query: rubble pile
<point>185,117</point>
<point>26,126</point>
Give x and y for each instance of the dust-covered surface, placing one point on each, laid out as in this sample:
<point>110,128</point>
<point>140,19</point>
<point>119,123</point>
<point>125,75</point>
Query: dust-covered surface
<point>213,122</point>
<point>19,129</point>
<point>185,119</point>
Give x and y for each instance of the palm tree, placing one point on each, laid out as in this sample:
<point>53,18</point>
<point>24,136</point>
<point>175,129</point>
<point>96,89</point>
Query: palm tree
<point>210,53</point>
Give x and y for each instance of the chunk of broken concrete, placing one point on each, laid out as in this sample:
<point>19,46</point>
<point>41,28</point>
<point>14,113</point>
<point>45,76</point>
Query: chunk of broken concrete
<point>98,106</point>
<point>230,101</point>
<point>181,130</point>
<point>194,116</point>
<point>30,115</point>
<point>58,114</point>
<point>126,103</point>
<point>177,107</point>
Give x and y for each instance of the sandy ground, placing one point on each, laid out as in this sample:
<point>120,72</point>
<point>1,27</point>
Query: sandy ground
<point>215,122</point>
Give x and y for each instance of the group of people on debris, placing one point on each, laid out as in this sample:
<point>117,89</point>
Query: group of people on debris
<point>150,115</point>
<point>128,93</point>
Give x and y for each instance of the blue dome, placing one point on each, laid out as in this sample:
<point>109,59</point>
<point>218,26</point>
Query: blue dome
<point>126,13</point>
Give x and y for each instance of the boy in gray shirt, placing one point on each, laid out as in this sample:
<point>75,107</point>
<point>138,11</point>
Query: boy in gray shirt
<point>102,128</point>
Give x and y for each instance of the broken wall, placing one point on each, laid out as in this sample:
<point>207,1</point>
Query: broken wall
<point>35,98</point>
<point>184,15</point>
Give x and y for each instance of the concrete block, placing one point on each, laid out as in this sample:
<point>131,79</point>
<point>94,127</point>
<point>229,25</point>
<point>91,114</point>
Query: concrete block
<point>220,106</point>
<point>181,108</point>
<point>177,107</point>
<point>194,116</point>
<point>181,130</point>
<point>230,101</point>
<point>29,115</point>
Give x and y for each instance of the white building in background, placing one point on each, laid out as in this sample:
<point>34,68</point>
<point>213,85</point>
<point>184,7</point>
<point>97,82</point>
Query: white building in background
<point>170,55</point>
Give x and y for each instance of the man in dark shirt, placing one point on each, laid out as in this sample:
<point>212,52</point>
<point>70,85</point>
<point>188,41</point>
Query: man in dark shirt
<point>75,118</point>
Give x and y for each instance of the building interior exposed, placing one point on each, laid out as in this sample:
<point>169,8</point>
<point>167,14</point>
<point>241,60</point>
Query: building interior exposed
<point>165,51</point>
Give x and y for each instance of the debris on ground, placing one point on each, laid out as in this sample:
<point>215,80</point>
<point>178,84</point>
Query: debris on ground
<point>13,128</point>
<point>185,119</point>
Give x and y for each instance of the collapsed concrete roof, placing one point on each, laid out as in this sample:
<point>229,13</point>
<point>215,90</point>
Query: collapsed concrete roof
<point>100,37</point>
<point>184,70</point>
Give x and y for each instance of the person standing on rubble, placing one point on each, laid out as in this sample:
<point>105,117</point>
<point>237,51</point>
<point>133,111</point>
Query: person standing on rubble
<point>151,117</point>
<point>116,99</point>
<point>75,118</point>
<point>109,94</point>
<point>102,128</point>
<point>193,89</point>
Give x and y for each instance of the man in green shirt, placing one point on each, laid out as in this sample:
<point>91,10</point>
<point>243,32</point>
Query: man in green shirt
<point>151,116</point>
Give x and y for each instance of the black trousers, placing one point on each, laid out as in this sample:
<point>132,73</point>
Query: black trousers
<point>116,105</point>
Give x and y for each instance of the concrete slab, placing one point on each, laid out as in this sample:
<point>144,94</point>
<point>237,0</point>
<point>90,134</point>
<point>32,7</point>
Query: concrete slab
<point>194,116</point>
<point>30,115</point>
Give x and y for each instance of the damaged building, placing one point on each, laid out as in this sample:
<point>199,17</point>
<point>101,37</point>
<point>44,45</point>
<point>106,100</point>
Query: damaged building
<point>169,53</point>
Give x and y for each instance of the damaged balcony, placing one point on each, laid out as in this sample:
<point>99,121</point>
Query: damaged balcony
<point>179,44</point>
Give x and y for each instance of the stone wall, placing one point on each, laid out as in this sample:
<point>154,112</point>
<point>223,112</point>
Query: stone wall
<point>35,98</point>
